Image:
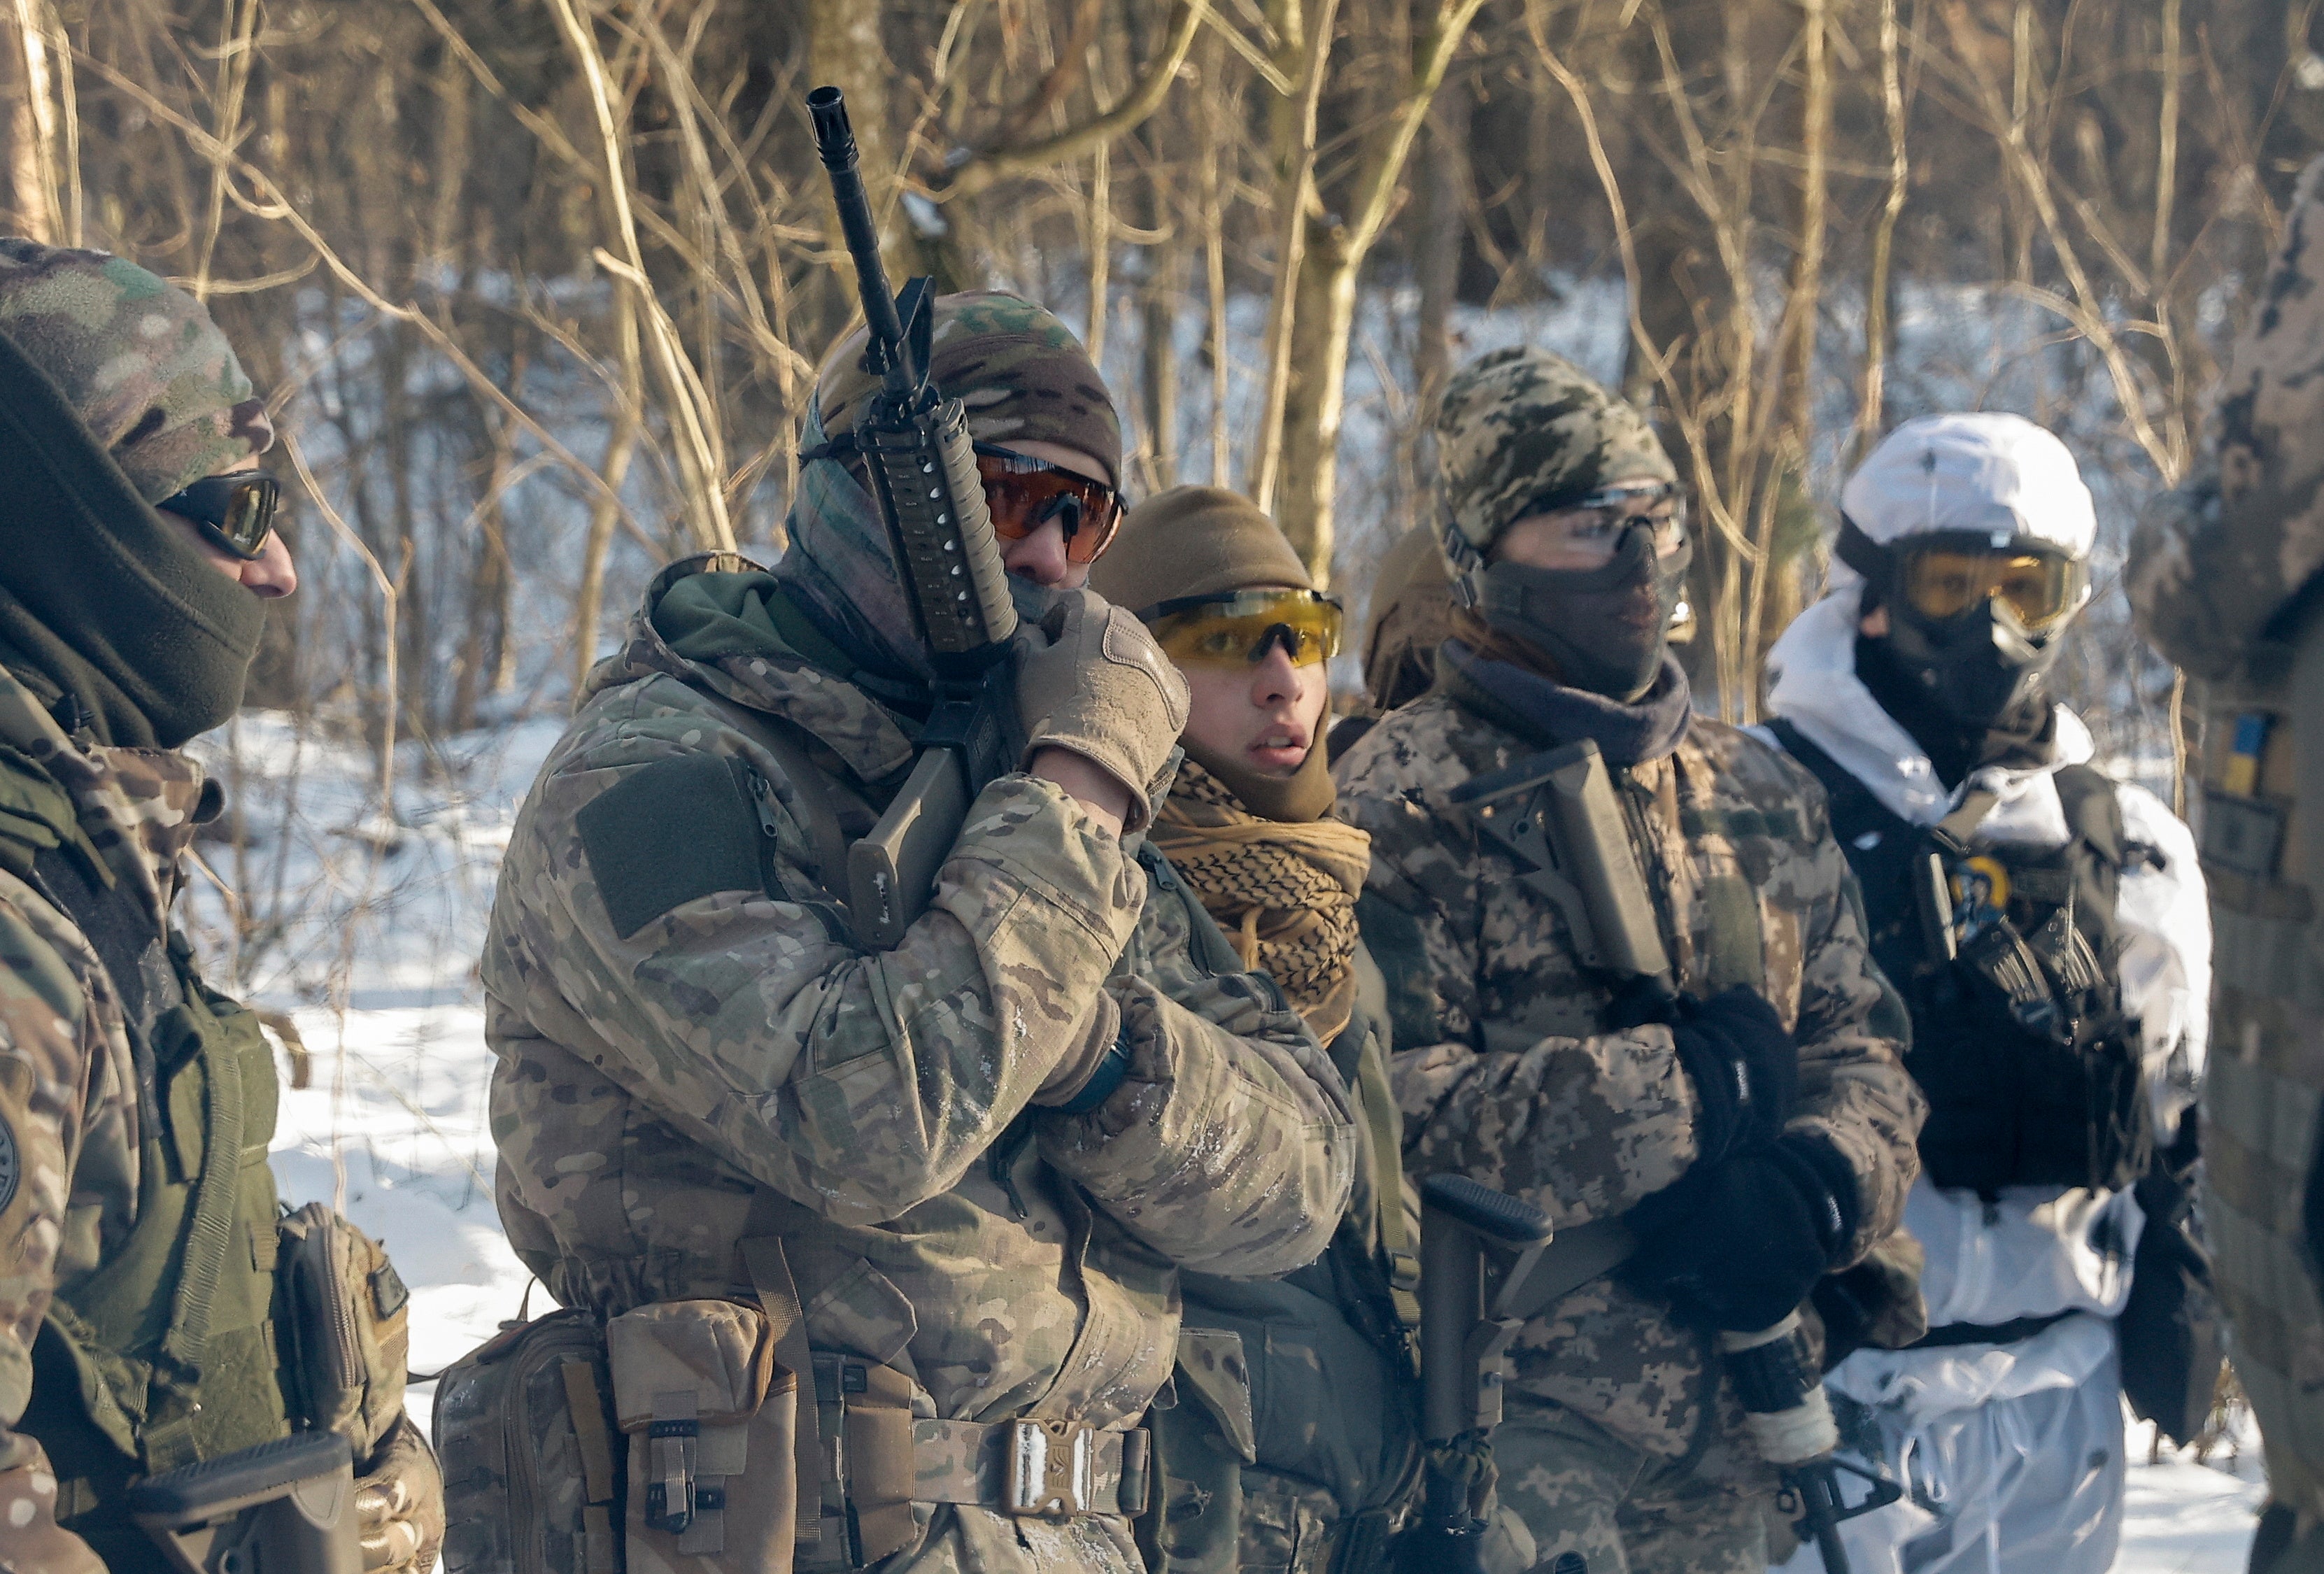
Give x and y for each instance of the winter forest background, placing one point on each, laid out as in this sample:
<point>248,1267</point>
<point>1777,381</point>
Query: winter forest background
<point>538,289</point>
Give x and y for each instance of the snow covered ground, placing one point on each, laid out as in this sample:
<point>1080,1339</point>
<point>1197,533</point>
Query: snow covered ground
<point>369,942</point>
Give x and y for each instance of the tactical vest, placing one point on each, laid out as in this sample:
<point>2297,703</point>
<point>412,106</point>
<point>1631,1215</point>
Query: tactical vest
<point>2031,1065</point>
<point>165,1355</point>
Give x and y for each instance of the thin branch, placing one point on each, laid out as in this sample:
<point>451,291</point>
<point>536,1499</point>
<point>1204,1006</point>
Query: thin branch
<point>983,170</point>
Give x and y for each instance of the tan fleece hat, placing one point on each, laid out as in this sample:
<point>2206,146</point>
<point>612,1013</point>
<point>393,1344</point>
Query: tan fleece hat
<point>1194,540</point>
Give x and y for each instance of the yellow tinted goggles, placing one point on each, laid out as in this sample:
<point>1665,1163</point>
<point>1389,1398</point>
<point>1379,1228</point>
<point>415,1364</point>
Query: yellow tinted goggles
<point>2039,587</point>
<point>1239,627</point>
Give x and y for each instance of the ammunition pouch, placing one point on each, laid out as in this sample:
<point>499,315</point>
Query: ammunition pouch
<point>724,1446</point>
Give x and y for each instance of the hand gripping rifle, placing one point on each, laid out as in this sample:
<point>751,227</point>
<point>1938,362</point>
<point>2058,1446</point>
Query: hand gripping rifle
<point>915,443</point>
<point>1555,814</point>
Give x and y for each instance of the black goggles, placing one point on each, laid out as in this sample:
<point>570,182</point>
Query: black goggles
<point>236,512</point>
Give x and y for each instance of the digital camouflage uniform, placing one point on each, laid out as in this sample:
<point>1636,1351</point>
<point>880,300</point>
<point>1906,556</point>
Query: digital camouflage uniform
<point>1503,1070</point>
<point>2221,577</point>
<point>736,1068</point>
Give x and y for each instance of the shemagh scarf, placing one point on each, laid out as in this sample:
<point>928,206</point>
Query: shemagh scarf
<point>1284,891</point>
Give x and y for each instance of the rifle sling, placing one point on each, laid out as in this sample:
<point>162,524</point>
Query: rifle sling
<point>1577,1256</point>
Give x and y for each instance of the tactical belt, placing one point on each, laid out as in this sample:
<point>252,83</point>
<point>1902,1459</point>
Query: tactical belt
<point>879,1460</point>
<point>1046,1469</point>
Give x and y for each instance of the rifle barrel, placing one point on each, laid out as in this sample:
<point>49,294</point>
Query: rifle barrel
<point>835,144</point>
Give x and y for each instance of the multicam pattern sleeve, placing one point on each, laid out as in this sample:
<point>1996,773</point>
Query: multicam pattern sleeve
<point>2216,560</point>
<point>1231,1147</point>
<point>860,1085</point>
<point>57,1047</point>
<point>856,1084</point>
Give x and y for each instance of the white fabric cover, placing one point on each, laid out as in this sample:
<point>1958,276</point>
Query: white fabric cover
<point>1997,474</point>
<point>1998,1441</point>
<point>2029,1480</point>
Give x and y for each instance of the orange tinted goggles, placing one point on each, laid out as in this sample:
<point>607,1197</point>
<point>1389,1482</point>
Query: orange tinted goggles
<point>1025,493</point>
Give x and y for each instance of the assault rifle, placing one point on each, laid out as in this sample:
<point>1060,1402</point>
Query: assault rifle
<point>915,443</point>
<point>283,1507</point>
<point>1556,814</point>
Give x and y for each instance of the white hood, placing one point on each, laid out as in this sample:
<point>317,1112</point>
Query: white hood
<point>2165,967</point>
<point>1812,683</point>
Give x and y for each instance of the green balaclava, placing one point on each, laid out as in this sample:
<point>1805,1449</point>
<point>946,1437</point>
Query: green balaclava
<point>1202,541</point>
<point>1522,432</point>
<point>121,390</point>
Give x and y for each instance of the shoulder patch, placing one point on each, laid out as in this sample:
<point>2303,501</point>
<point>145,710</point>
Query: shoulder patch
<point>670,833</point>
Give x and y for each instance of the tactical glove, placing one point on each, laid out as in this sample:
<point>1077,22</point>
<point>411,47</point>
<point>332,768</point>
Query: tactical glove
<point>1744,1067</point>
<point>1742,1243</point>
<point>1092,680</point>
<point>32,1542</point>
<point>399,1503</point>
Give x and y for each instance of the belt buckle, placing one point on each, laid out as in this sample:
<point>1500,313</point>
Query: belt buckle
<point>1052,1469</point>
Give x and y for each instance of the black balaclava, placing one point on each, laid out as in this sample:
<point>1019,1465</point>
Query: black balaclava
<point>1580,617</point>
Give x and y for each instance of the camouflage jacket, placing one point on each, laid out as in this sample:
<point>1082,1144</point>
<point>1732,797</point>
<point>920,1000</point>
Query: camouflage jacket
<point>738,1068</point>
<point>1503,1072</point>
<point>2214,563</point>
<point>76,1128</point>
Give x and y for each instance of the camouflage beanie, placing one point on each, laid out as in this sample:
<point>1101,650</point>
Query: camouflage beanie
<point>139,359</point>
<point>1522,431</point>
<point>1019,370</point>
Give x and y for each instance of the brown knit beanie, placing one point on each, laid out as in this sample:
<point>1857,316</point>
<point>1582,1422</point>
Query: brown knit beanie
<point>1194,540</point>
<point>1015,365</point>
<point>1203,540</point>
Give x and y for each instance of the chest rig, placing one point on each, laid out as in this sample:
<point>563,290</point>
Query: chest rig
<point>2009,960</point>
<point>164,1355</point>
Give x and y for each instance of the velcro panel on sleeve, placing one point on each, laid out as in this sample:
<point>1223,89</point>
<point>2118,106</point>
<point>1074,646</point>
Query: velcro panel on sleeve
<point>668,833</point>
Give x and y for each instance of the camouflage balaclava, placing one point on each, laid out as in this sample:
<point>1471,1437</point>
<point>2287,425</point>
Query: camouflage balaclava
<point>1015,367</point>
<point>1524,432</point>
<point>120,391</point>
<point>1022,376</point>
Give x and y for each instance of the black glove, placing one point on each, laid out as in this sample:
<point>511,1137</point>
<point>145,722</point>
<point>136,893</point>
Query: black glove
<point>1739,1243</point>
<point>1744,1067</point>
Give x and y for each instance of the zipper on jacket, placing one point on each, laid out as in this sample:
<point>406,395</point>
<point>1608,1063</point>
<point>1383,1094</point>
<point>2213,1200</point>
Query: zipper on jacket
<point>338,1317</point>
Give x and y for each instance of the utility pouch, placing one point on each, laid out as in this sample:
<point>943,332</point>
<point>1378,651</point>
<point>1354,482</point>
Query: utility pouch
<point>346,1327</point>
<point>705,1404</point>
<point>532,1472</point>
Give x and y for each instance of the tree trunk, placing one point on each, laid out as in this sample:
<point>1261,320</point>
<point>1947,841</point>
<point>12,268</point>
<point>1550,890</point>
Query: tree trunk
<point>844,50</point>
<point>1323,302</point>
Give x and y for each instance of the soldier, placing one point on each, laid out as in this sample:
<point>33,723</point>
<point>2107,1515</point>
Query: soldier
<point>2059,1013</point>
<point>2222,577</point>
<point>1764,1140</point>
<point>1315,1478</point>
<point>136,557</point>
<point>1412,604</point>
<point>977,1161</point>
